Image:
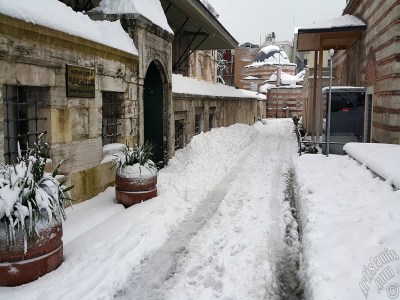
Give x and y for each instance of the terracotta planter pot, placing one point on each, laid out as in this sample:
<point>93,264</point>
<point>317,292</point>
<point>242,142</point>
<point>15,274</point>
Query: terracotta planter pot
<point>130,191</point>
<point>44,254</point>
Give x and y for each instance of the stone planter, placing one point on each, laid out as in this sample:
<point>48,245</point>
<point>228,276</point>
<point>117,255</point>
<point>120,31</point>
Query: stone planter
<point>130,190</point>
<point>44,254</point>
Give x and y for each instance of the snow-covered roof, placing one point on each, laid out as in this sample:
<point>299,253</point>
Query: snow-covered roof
<point>150,9</point>
<point>210,8</point>
<point>338,22</point>
<point>272,54</point>
<point>348,29</point>
<point>251,78</point>
<point>56,15</point>
<point>185,85</point>
<point>343,88</point>
<point>268,86</point>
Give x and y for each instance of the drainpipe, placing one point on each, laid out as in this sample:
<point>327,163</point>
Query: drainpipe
<point>328,125</point>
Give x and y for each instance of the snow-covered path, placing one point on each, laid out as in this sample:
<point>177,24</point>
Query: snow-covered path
<point>214,230</point>
<point>228,247</point>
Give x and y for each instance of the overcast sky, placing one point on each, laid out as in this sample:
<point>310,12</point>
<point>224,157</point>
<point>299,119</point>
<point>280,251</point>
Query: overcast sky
<point>247,20</point>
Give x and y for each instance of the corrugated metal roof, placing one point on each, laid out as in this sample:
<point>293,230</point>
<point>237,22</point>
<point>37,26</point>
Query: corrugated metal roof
<point>192,19</point>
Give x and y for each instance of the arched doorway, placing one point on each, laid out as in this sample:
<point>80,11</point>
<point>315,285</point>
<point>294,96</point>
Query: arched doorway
<point>153,111</point>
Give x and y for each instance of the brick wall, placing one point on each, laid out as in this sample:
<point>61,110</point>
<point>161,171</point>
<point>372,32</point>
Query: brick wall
<point>375,62</point>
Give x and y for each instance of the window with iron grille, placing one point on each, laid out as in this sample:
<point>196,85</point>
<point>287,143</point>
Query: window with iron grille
<point>112,116</point>
<point>198,124</point>
<point>211,121</point>
<point>22,121</point>
<point>179,131</point>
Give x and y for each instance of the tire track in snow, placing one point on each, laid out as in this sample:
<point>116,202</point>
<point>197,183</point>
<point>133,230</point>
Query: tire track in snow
<point>228,248</point>
<point>147,279</point>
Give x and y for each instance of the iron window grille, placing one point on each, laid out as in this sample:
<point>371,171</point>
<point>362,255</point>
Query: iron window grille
<point>22,121</point>
<point>112,109</point>
<point>179,131</point>
<point>212,121</point>
<point>198,124</point>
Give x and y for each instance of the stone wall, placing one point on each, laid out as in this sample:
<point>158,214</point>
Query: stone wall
<point>374,63</point>
<point>227,111</point>
<point>36,56</point>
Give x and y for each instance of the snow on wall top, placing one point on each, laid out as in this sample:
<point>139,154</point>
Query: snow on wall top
<point>56,15</point>
<point>186,85</point>
<point>150,9</point>
<point>342,21</point>
<point>383,159</point>
<point>343,88</point>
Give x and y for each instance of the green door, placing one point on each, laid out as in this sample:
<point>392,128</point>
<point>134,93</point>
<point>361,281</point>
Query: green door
<point>153,110</point>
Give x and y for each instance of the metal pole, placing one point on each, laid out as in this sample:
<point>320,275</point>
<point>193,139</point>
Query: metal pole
<point>328,125</point>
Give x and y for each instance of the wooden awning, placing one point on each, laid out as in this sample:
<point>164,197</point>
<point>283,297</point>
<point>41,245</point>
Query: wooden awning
<point>338,34</point>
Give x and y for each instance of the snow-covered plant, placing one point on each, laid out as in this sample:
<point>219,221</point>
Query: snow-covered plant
<point>135,154</point>
<point>29,194</point>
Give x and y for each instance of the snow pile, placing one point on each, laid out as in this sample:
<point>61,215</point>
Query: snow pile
<point>192,86</point>
<point>341,21</point>
<point>150,9</point>
<point>383,159</point>
<point>56,15</point>
<point>350,219</point>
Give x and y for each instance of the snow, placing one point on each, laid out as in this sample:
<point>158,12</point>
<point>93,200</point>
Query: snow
<point>342,88</point>
<point>146,171</point>
<point>210,8</point>
<point>192,86</point>
<point>150,9</point>
<point>56,15</point>
<point>126,238</point>
<point>348,217</point>
<point>287,79</point>
<point>338,22</point>
<point>86,215</point>
<point>270,55</point>
<point>279,57</point>
<point>383,159</point>
<point>251,78</point>
<point>222,227</point>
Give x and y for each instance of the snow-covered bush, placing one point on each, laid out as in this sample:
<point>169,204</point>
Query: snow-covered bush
<point>29,195</point>
<point>136,156</point>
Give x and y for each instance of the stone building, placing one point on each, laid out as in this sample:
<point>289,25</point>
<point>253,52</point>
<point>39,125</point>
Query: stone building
<point>365,41</point>
<point>374,63</point>
<point>88,95</point>
<point>283,91</point>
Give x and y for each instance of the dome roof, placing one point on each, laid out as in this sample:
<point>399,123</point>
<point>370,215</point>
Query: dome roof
<point>272,54</point>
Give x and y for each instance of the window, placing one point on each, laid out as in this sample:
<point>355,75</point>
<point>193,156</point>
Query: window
<point>198,124</point>
<point>112,116</point>
<point>22,121</point>
<point>179,130</point>
<point>211,121</point>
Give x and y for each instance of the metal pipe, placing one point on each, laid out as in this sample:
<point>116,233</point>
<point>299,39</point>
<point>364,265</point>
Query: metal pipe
<point>328,117</point>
